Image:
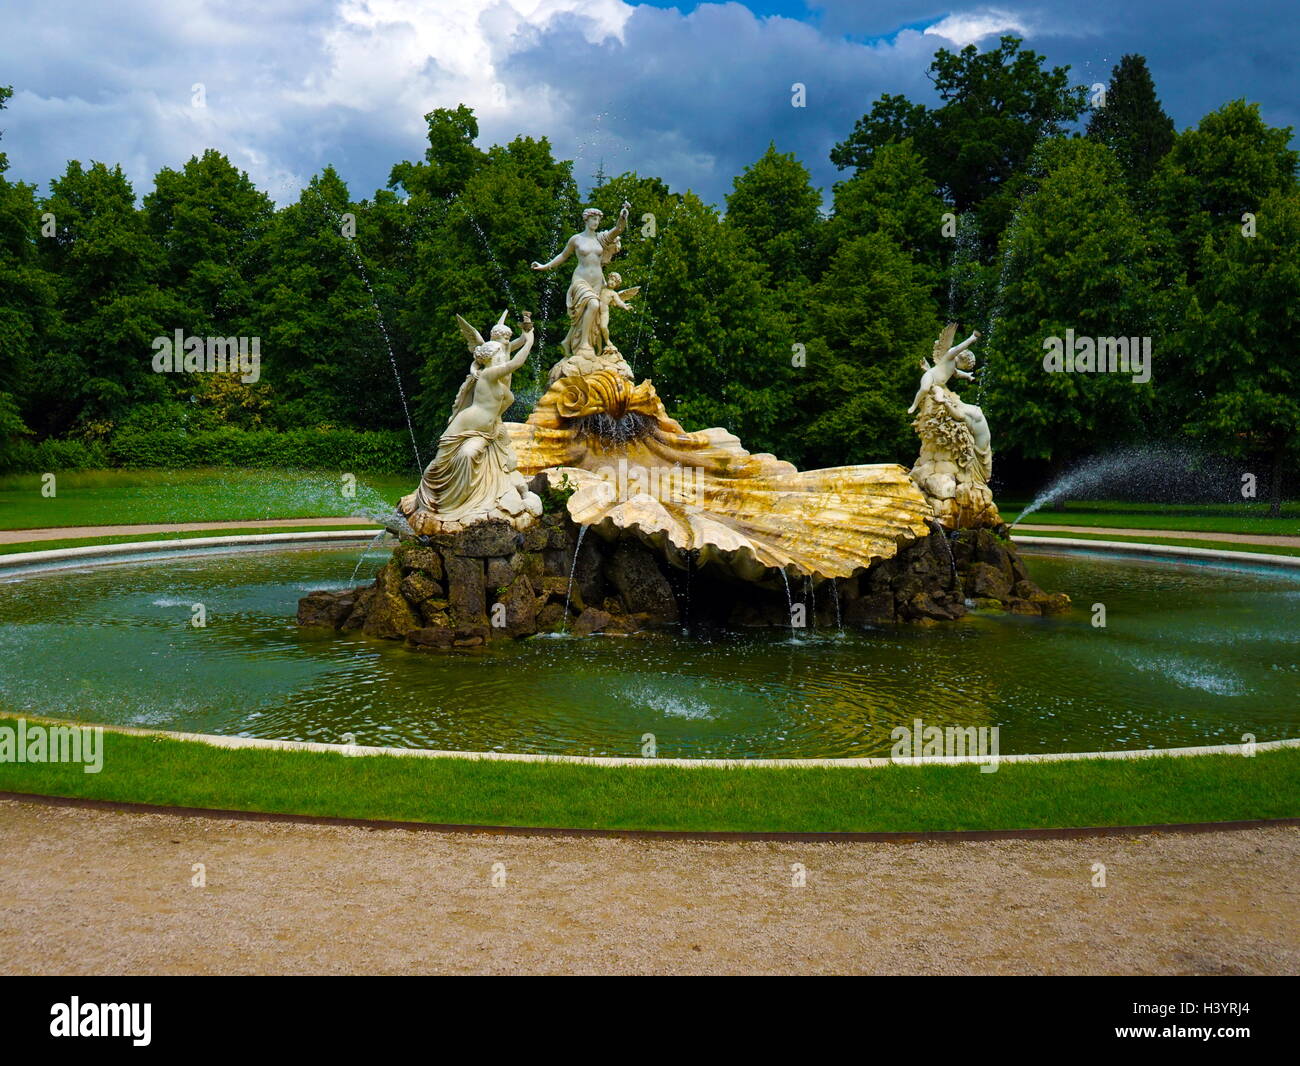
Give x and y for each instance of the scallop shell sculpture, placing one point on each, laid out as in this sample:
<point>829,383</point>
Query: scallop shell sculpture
<point>637,471</point>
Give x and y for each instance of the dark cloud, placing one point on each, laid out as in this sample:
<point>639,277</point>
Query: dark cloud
<point>691,94</point>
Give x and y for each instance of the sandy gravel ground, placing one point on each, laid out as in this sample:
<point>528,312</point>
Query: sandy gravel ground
<point>89,891</point>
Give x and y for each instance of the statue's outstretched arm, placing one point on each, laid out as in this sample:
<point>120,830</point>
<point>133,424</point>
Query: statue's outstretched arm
<point>493,373</point>
<point>565,252</point>
<point>965,344</point>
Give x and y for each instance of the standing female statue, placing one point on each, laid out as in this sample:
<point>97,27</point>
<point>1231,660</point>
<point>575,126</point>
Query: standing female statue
<point>474,475</point>
<point>594,251</point>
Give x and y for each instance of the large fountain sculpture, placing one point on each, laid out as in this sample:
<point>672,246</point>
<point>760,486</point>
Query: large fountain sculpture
<point>637,471</point>
<point>762,543</point>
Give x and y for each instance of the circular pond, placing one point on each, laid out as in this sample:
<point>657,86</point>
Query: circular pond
<point>1190,654</point>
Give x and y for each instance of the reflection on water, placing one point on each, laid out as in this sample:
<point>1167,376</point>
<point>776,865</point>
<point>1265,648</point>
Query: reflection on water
<point>1189,655</point>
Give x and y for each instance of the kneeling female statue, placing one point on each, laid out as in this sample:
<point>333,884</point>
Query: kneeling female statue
<point>474,476</point>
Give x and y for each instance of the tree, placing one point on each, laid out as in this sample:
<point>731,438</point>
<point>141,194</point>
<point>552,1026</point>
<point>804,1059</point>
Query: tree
<point>1214,174</point>
<point>1132,124</point>
<point>872,318</point>
<point>1240,332</point>
<point>892,195</point>
<point>778,212</point>
<point>27,311</point>
<point>721,348</point>
<point>1078,259</point>
<point>471,257</point>
<point>450,160</point>
<point>208,219</point>
<point>111,306</point>
<point>325,356</point>
<point>997,105</point>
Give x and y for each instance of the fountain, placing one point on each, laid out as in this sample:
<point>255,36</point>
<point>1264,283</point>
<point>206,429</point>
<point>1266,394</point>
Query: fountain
<point>496,525</point>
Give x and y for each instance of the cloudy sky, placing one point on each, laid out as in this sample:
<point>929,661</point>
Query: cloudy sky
<point>690,92</point>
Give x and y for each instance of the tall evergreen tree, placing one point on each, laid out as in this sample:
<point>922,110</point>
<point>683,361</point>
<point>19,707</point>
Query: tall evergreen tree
<point>778,212</point>
<point>1132,124</point>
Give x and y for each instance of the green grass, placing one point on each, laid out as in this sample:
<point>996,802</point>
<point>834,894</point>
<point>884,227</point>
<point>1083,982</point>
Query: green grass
<point>1245,517</point>
<point>127,497</point>
<point>164,771</point>
<point>84,542</point>
<point>1217,545</point>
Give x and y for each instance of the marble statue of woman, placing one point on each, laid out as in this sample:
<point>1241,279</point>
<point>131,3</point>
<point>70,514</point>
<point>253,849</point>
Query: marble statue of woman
<point>594,249</point>
<point>474,475</point>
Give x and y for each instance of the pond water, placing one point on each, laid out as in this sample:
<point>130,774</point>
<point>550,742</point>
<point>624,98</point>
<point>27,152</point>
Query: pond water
<point>1190,654</point>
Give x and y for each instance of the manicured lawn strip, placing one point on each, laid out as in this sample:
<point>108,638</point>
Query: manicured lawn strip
<point>84,542</point>
<point>1229,518</point>
<point>168,772</point>
<point>134,497</point>
<point>1216,545</point>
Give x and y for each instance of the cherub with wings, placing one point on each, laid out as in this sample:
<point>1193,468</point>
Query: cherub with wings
<point>947,363</point>
<point>497,349</point>
<point>610,294</point>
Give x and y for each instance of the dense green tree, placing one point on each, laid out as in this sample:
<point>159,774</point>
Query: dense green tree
<point>472,258</point>
<point>996,106</point>
<point>208,218</point>
<point>1240,331</point>
<point>872,319</point>
<point>1078,259</point>
<point>1132,124</point>
<point>110,302</point>
<point>892,195</point>
<point>325,354</point>
<point>775,207</point>
<point>27,312</point>
<point>450,160</point>
<point>721,348</point>
<point>1215,173</point>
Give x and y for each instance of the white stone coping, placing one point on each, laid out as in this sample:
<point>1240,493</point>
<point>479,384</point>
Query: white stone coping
<point>355,750</point>
<point>1170,551</point>
<point>180,545</point>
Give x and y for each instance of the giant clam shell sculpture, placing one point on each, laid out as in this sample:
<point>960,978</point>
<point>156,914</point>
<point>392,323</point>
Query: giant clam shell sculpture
<point>701,495</point>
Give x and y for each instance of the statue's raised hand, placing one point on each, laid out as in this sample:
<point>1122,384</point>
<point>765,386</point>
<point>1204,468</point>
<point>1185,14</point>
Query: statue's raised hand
<point>538,266</point>
<point>622,211</point>
<point>526,321</point>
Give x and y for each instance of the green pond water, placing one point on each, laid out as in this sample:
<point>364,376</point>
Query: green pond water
<point>1190,655</point>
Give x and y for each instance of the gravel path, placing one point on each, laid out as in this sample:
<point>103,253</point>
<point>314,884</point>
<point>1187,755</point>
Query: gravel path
<point>104,892</point>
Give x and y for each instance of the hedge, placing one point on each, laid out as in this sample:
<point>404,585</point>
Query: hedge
<point>373,451</point>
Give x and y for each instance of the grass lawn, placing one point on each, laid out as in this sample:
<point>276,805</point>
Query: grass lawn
<point>123,497</point>
<point>163,771</point>
<point>127,497</point>
<point>1244,517</point>
<point>1217,545</point>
